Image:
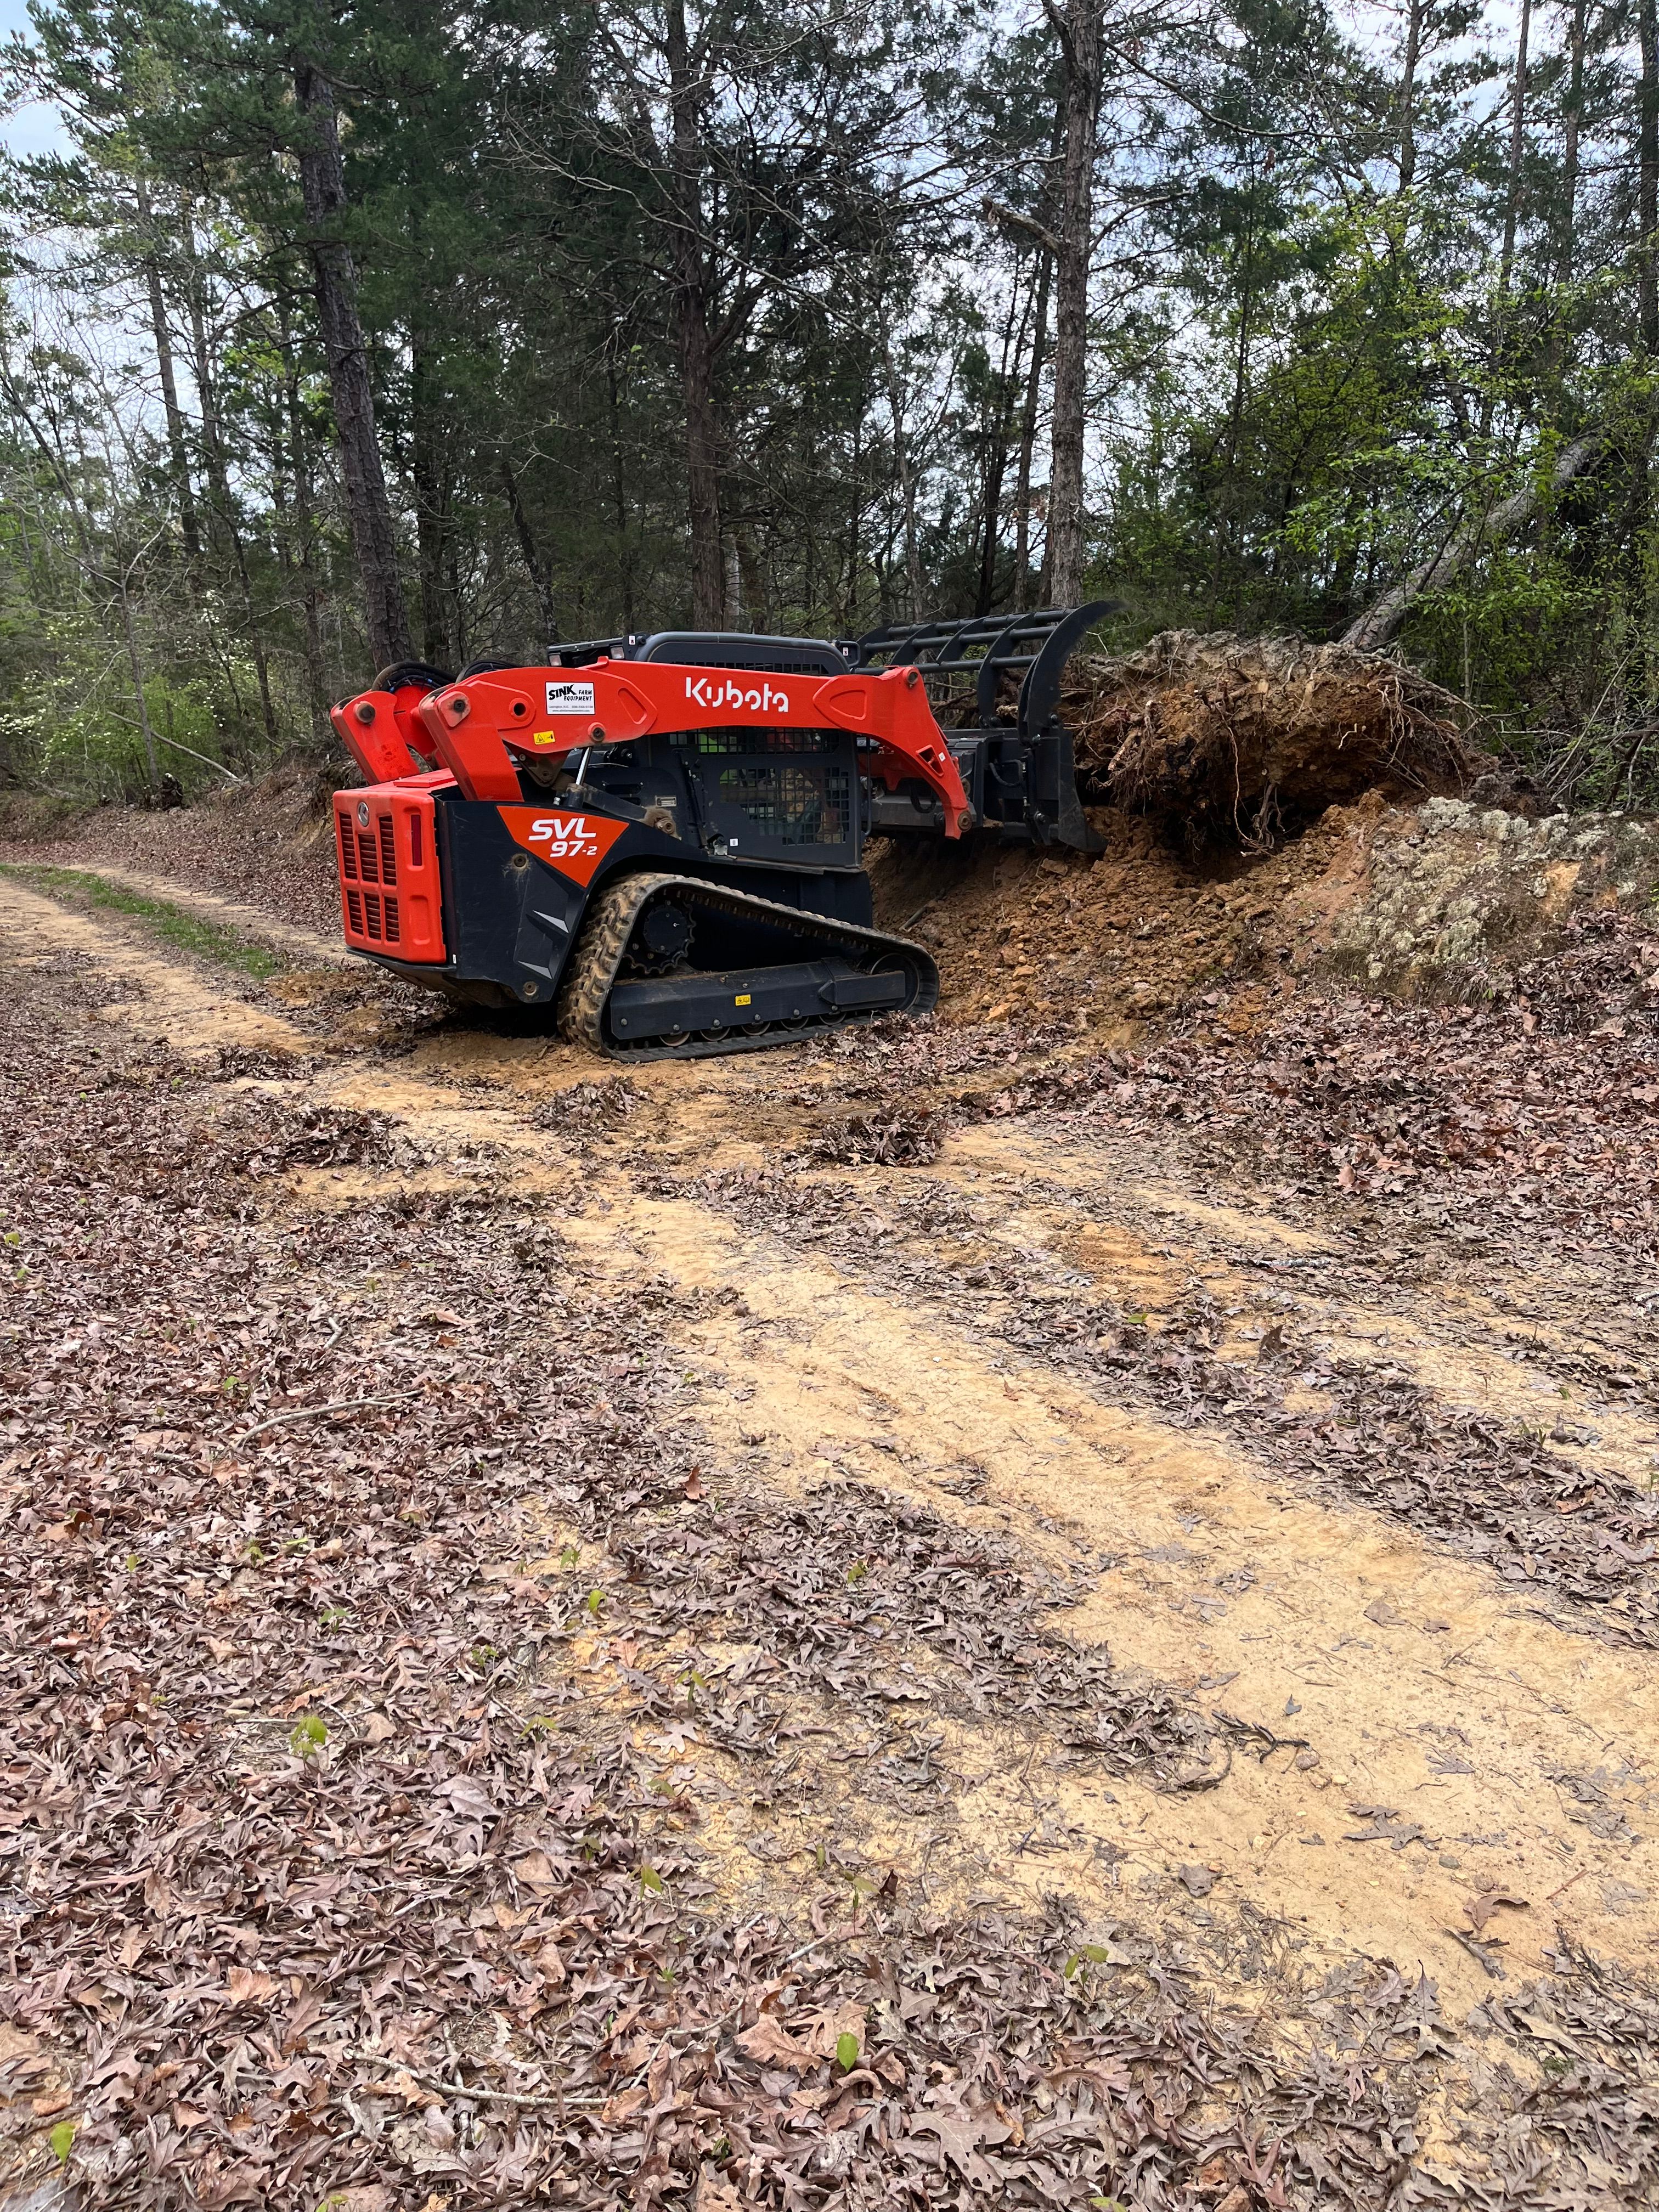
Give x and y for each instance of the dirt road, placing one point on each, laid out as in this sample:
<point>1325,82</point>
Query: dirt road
<point>1116,1639</point>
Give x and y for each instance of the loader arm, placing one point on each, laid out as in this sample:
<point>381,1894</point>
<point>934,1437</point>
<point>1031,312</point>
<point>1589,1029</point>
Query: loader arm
<point>483,725</point>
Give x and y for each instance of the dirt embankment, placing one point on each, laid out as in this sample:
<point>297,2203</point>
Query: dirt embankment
<point>267,846</point>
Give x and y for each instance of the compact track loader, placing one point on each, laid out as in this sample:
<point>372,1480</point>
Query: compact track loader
<point>660,837</point>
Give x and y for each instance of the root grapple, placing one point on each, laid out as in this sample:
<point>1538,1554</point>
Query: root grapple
<point>658,840</point>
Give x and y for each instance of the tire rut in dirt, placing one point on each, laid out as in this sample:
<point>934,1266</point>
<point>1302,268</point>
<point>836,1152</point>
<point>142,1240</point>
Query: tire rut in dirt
<point>1545,1526</point>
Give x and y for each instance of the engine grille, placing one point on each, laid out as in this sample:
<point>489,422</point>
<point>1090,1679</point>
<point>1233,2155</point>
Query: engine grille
<point>368,870</point>
<point>371,914</point>
<point>369,856</point>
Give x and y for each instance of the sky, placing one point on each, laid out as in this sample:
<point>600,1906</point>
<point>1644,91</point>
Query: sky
<point>34,128</point>
<point>1376,23</point>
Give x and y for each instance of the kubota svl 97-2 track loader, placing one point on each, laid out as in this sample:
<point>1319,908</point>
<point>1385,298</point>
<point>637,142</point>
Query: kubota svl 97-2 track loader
<point>660,837</point>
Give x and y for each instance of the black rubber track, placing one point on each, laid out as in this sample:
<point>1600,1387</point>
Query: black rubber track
<point>603,944</point>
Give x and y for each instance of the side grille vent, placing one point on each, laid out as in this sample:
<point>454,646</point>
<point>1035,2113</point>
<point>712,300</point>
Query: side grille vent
<point>379,916</point>
<point>378,874</point>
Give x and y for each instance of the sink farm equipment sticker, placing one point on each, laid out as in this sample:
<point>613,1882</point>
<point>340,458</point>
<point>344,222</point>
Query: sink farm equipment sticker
<point>574,844</point>
<point>570,698</point>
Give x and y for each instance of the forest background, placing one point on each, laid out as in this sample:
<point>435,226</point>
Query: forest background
<point>339,335</point>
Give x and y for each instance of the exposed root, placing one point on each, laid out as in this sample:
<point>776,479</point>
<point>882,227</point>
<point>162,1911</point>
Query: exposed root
<point>1245,741</point>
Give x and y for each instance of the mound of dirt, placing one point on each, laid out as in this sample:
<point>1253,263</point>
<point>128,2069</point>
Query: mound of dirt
<point>1226,740</point>
<point>1442,901</point>
<point>1112,941</point>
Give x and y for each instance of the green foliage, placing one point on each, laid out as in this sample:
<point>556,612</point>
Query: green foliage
<point>210,940</point>
<point>846,2052</point>
<point>62,2140</point>
<point>307,1736</point>
<point>1315,362</point>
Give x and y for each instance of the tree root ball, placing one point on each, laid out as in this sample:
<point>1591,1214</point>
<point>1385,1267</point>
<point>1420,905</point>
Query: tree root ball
<point>1245,741</point>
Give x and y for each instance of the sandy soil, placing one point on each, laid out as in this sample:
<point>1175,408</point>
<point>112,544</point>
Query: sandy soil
<point>1404,1757</point>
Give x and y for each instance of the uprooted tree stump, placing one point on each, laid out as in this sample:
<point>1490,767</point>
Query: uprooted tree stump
<point>1245,740</point>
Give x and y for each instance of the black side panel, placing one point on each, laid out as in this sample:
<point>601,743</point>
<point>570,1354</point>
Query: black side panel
<point>507,919</point>
<point>511,919</point>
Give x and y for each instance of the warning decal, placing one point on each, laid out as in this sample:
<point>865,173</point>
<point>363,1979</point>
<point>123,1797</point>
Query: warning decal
<point>570,698</point>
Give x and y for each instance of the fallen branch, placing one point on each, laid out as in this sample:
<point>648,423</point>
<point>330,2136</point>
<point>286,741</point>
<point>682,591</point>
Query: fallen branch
<point>306,1413</point>
<point>1380,621</point>
<point>477,2091</point>
<point>203,757</point>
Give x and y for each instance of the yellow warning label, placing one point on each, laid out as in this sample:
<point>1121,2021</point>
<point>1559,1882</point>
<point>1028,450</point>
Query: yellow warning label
<point>543,737</point>
<point>744,997</point>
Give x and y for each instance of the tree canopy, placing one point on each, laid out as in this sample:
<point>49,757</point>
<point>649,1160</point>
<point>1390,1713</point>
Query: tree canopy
<point>336,335</point>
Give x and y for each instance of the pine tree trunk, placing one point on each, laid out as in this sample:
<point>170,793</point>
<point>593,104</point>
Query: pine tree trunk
<point>1028,436</point>
<point>322,183</point>
<point>1415,10</point>
<point>1573,119</point>
<point>213,451</point>
<point>906,475</point>
<point>996,460</point>
<point>304,531</point>
<point>619,495</point>
<point>532,557</point>
<point>178,452</point>
<point>692,332</point>
<point>431,523</point>
<point>1648,179</point>
<point>1080,98</point>
<point>1517,152</point>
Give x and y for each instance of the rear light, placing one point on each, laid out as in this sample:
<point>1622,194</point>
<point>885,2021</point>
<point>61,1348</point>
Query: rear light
<point>414,840</point>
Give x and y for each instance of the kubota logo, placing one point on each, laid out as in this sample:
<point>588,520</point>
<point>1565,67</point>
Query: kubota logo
<point>755,700</point>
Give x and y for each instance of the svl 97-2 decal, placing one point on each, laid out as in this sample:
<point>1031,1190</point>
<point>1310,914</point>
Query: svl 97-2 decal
<point>574,844</point>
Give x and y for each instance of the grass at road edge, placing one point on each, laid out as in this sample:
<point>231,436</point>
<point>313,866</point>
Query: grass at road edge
<point>190,933</point>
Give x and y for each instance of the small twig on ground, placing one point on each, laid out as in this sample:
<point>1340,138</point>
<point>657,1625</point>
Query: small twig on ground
<point>306,1413</point>
<point>1566,1885</point>
<point>477,2090</point>
<point>1477,1953</point>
